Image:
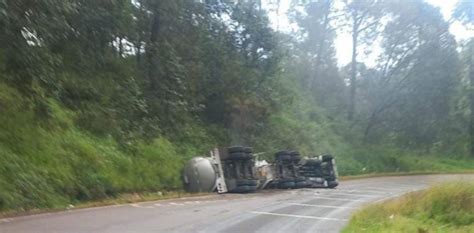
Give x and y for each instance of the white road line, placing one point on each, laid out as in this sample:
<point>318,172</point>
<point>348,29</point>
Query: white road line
<point>143,207</point>
<point>323,206</point>
<point>392,196</point>
<point>5,220</point>
<point>340,199</point>
<point>363,191</point>
<point>351,194</point>
<point>158,204</point>
<point>297,216</point>
<point>176,204</point>
<point>394,189</point>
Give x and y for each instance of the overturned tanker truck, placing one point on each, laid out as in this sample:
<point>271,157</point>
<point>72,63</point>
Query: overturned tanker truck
<point>238,170</point>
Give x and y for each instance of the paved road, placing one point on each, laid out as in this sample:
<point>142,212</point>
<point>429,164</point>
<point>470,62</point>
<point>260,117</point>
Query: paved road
<point>303,210</point>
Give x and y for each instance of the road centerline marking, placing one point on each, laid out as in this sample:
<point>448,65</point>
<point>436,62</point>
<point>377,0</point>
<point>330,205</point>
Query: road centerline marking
<point>323,206</point>
<point>339,199</point>
<point>176,204</point>
<point>351,194</point>
<point>143,207</point>
<point>365,191</point>
<point>297,216</point>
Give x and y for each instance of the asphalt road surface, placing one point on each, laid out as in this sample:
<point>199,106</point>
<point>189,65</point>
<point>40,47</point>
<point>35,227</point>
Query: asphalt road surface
<point>302,210</point>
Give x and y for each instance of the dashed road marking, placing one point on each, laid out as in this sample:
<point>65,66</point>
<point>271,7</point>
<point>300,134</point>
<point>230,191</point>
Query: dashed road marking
<point>352,194</point>
<point>340,199</point>
<point>176,204</point>
<point>143,207</point>
<point>5,220</point>
<point>323,206</point>
<point>138,205</point>
<point>363,191</point>
<point>297,216</point>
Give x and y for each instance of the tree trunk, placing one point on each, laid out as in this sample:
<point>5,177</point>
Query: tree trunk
<point>138,49</point>
<point>353,74</point>
<point>471,96</point>
<point>321,47</point>
<point>120,44</point>
<point>152,51</point>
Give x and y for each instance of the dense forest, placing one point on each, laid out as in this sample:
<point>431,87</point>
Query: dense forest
<point>99,98</point>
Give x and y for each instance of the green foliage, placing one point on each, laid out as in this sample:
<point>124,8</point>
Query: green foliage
<point>380,159</point>
<point>443,208</point>
<point>53,163</point>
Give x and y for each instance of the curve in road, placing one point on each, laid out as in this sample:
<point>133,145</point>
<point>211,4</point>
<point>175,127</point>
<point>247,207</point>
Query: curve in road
<point>302,210</point>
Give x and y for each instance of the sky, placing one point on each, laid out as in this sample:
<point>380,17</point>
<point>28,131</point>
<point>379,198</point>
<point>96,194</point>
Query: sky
<point>343,41</point>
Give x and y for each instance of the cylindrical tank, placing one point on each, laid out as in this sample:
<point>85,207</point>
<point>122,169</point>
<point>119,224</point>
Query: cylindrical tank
<point>199,175</point>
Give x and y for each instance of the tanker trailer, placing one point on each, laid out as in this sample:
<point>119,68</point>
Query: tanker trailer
<point>230,169</point>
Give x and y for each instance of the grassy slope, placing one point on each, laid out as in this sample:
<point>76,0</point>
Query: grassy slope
<point>444,208</point>
<point>52,164</point>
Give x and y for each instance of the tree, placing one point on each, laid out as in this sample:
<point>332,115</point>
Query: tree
<point>315,52</point>
<point>417,77</point>
<point>364,19</point>
<point>464,13</point>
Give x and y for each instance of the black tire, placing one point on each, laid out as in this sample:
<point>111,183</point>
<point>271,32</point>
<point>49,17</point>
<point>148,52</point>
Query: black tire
<point>248,149</point>
<point>252,188</point>
<point>307,169</point>
<point>239,156</point>
<point>235,149</point>
<point>327,158</point>
<point>295,158</point>
<point>284,180</point>
<point>286,185</point>
<point>241,189</point>
<point>283,152</point>
<point>245,182</point>
<point>300,178</point>
<point>332,184</point>
<point>294,153</point>
<point>283,157</point>
<point>312,162</point>
<point>302,184</point>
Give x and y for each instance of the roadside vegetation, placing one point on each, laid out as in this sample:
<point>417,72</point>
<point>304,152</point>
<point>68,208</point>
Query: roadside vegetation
<point>102,98</point>
<point>446,207</point>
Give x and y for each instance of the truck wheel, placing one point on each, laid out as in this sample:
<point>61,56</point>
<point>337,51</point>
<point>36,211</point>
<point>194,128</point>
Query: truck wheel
<point>327,158</point>
<point>252,188</point>
<point>294,153</point>
<point>284,180</point>
<point>248,149</point>
<point>295,158</point>
<point>283,152</point>
<point>239,156</point>
<point>236,149</point>
<point>240,189</point>
<point>286,185</point>
<point>312,162</point>
<point>332,184</point>
<point>244,182</point>
<point>300,178</point>
<point>302,184</point>
<point>283,157</point>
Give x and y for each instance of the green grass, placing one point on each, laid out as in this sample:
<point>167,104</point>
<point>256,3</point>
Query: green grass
<point>446,207</point>
<point>52,163</point>
<point>373,160</point>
